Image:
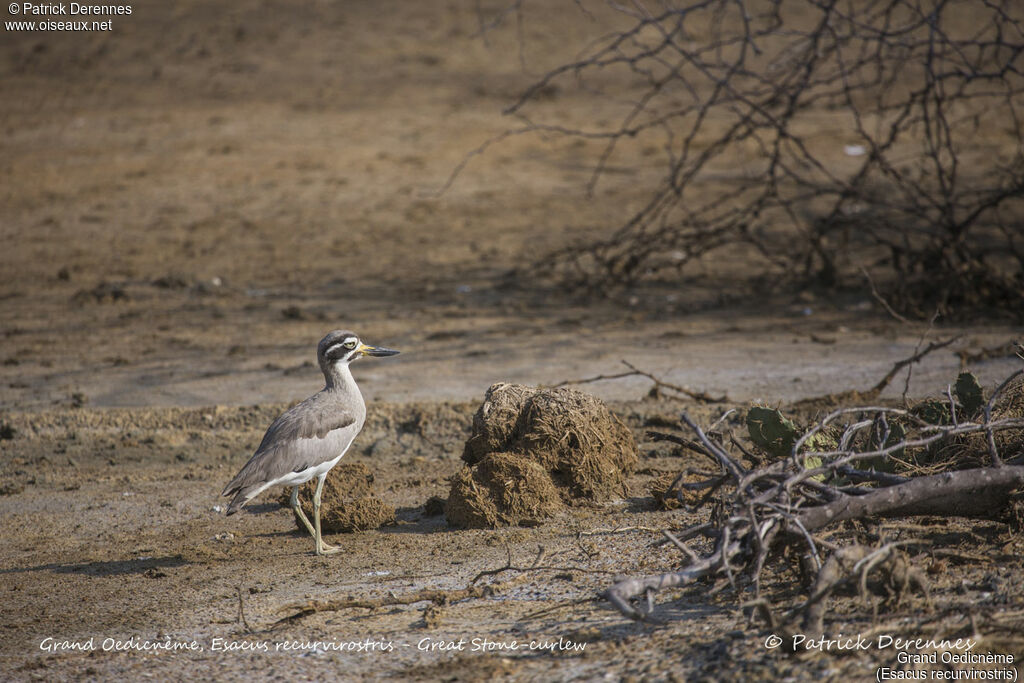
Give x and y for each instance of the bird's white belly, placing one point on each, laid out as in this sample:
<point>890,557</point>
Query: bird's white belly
<point>296,478</point>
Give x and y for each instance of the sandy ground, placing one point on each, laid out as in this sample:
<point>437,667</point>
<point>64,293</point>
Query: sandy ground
<point>190,201</point>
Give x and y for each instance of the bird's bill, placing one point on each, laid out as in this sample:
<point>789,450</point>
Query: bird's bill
<point>376,351</point>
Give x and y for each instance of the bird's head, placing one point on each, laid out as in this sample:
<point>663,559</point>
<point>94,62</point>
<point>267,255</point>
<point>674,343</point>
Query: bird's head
<point>341,347</point>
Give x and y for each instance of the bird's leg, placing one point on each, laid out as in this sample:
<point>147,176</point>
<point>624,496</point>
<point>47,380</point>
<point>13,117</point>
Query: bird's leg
<point>321,547</point>
<point>299,513</point>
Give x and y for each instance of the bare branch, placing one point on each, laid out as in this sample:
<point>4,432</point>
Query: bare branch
<point>918,199</point>
<point>658,384</point>
<point>899,365</point>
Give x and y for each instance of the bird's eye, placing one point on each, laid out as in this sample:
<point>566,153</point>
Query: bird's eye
<point>350,344</point>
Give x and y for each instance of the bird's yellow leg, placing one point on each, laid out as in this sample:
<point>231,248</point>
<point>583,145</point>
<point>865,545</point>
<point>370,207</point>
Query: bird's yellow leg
<point>297,508</point>
<point>321,547</point>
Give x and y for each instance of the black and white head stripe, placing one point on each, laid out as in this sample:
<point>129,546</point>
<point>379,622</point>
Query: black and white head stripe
<point>337,345</point>
<point>342,348</point>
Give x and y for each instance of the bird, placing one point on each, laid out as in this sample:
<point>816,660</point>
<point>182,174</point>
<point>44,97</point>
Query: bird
<point>308,440</point>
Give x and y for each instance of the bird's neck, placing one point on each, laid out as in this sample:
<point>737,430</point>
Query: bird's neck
<point>339,377</point>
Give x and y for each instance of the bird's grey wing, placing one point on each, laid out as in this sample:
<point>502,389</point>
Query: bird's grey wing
<point>314,417</point>
<point>298,439</point>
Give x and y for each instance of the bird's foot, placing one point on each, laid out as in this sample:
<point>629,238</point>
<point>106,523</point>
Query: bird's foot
<point>324,549</point>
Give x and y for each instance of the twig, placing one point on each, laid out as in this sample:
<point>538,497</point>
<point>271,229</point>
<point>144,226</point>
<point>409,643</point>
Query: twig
<point>1007,350</point>
<point>616,530</point>
<point>864,566</point>
<point>561,606</point>
<point>692,556</point>
<point>989,435</point>
<point>899,365</point>
<point>952,404</point>
<point>536,566</point>
<point>975,493</point>
<point>634,371</point>
<point>437,596</point>
<point>623,592</point>
<point>727,463</point>
<point>721,419</point>
<point>688,533</point>
<point>699,396</point>
<point>924,335</point>
<point>858,476</point>
<point>241,610</point>
<point>680,441</point>
<point>831,575</point>
<point>880,299</point>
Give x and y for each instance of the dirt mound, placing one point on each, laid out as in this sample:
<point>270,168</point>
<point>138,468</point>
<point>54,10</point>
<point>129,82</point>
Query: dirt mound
<point>502,489</point>
<point>582,449</point>
<point>495,421</point>
<point>347,503</point>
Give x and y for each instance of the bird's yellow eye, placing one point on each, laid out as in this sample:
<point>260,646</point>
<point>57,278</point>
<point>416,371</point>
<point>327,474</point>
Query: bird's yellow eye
<point>350,344</point>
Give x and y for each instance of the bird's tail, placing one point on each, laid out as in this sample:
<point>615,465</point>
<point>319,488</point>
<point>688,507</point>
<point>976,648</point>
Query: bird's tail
<point>242,495</point>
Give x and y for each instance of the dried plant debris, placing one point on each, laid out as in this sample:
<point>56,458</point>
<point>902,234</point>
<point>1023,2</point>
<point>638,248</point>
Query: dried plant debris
<point>775,434</point>
<point>961,456</point>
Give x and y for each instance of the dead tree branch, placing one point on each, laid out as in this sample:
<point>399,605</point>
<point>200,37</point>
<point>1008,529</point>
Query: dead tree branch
<point>785,502</point>
<point>980,493</point>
